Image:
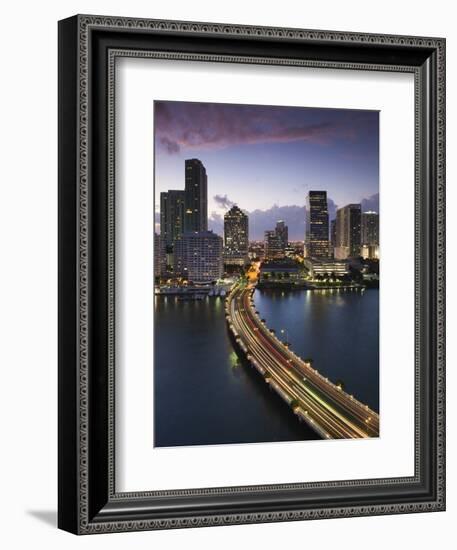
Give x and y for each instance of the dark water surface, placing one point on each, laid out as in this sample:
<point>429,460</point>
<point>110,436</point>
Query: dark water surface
<point>339,330</point>
<point>203,394</point>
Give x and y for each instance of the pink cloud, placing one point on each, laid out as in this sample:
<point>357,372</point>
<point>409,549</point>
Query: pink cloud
<point>215,126</point>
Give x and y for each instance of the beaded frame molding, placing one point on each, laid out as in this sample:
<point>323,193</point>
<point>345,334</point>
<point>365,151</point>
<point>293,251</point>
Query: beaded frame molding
<point>88,48</point>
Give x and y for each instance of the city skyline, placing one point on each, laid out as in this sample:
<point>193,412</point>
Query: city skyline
<point>286,151</point>
<point>234,290</point>
<point>173,207</point>
<point>189,250</point>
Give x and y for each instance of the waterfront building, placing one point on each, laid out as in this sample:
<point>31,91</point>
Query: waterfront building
<point>282,231</point>
<point>317,230</point>
<point>171,216</point>
<point>326,267</point>
<point>273,245</point>
<point>284,270</point>
<point>236,237</point>
<point>198,256</point>
<point>348,232</point>
<point>196,196</point>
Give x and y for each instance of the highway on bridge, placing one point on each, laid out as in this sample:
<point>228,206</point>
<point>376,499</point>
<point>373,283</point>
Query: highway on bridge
<point>324,406</point>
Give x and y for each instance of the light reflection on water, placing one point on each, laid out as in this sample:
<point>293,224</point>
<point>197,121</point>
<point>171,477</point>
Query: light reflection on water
<point>203,394</point>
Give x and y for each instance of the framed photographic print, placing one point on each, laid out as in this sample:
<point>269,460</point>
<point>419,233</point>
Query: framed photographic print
<point>251,274</point>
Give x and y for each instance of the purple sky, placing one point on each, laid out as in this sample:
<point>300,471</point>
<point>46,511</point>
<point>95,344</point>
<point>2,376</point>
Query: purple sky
<point>265,158</point>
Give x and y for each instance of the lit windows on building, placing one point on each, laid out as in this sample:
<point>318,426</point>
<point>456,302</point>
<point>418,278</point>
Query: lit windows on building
<point>196,196</point>
<point>348,232</point>
<point>171,215</point>
<point>327,268</point>
<point>317,225</point>
<point>282,231</point>
<point>236,237</point>
<point>370,235</point>
<point>198,256</point>
<point>273,245</point>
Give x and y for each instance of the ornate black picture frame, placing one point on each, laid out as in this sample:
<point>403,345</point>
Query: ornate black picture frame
<point>88,501</point>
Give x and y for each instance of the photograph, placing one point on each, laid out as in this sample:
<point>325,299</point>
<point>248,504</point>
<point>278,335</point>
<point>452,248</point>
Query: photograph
<point>251,274</point>
<point>266,273</point>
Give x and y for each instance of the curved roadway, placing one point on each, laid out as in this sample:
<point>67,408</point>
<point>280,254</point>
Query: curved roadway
<point>325,407</point>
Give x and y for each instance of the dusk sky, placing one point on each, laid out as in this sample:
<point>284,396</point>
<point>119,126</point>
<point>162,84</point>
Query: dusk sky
<point>266,158</point>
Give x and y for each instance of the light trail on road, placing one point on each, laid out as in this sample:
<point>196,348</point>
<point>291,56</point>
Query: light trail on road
<point>325,407</point>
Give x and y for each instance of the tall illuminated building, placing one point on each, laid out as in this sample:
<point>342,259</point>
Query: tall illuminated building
<point>171,216</point>
<point>282,231</point>
<point>332,236</point>
<point>196,196</point>
<point>370,235</point>
<point>370,228</point>
<point>159,256</point>
<point>348,232</point>
<point>236,236</point>
<point>273,247</point>
<point>316,233</point>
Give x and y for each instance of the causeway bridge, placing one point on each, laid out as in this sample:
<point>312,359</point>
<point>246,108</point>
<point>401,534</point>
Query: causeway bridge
<point>324,406</point>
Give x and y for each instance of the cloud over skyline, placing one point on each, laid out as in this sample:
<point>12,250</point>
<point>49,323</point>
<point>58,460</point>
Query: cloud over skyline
<point>257,156</point>
<point>371,203</point>
<point>223,201</point>
<point>210,125</point>
<point>262,220</point>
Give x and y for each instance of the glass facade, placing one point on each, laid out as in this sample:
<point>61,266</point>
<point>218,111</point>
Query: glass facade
<point>317,225</point>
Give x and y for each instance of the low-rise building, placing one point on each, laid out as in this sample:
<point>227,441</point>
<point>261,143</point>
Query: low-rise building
<point>326,267</point>
<point>280,269</point>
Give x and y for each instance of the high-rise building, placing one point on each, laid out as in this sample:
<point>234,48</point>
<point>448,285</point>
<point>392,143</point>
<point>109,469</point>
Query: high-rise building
<point>198,256</point>
<point>332,236</point>
<point>348,231</point>
<point>273,245</point>
<point>236,236</point>
<point>282,231</point>
<point>196,196</point>
<point>370,235</point>
<point>370,228</point>
<point>171,216</point>
<point>159,256</point>
<point>316,236</point>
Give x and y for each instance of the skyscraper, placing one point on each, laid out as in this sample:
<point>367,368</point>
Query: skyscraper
<point>370,235</point>
<point>171,216</point>
<point>370,228</point>
<point>236,236</point>
<point>198,256</point>
<point>332,236</point>
<point>159,256</point>
<point>348,231</point>
<point>196,196</point>
<point>282,231</point>
<point>316,236</point>
<point>273,245</point>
